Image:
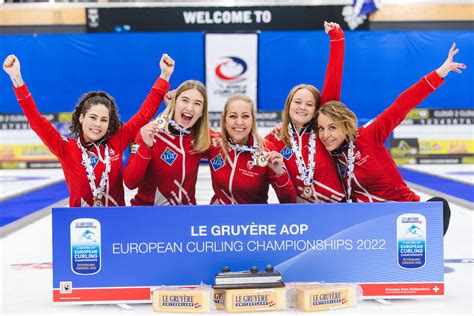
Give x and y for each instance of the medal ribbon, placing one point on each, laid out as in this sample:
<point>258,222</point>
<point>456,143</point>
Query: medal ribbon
<point>255,151</point>
<point>176,126</point>
<point>97,192</point>
<point>350,170</point>
<point>306,173</point>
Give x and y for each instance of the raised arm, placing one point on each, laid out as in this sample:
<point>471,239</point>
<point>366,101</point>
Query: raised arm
<point>386,122</point>
<point>333,78</point>
<point>151,103</point>
<point>40,125</point>
<point>141,156</point>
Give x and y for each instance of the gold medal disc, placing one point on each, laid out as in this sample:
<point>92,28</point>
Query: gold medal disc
<point>162,123</point>
<point>98,203</point>
<point>261,160</point>
<point>307,192</point>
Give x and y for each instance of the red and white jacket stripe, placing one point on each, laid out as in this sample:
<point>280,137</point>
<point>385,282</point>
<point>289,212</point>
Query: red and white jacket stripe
<point>326,185</point>
<point>165,174</point>
<point>70,155</point>
<point>376,177</point>
<point>236,180</point>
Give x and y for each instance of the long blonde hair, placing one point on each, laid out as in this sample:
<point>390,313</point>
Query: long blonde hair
<point>253,131</point>
<point>342,116</point>
<point>286,112</point>
<point>202,138</point>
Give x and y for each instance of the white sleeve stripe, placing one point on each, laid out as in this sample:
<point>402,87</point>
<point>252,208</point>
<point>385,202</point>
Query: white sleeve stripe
<point>138,152</point>
<point>29,95</point>
<point>337,40</point>
<point>429,83</point>
<point>283,185</point>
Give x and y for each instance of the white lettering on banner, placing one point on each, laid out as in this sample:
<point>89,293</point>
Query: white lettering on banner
<point>249,230</point>
<point>208,246</point>
<point>228,17</point>
<point>146,247</point>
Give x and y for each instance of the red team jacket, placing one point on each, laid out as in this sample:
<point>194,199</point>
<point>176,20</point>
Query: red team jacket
<point>70,155</point>
<point>376,177</point>
<point>165,174</point>
<point>326,184</point>
<point>236,180</point>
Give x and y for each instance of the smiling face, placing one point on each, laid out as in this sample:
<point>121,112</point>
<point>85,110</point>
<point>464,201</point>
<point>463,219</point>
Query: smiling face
<point>238,121</point>
<point>302,108</point>
<point>330,133</point>
<point>95,123</point>
<point>188,108</point>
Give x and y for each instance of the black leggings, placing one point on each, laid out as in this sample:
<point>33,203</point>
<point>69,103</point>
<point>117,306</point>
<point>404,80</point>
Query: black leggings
<point>446,212</point>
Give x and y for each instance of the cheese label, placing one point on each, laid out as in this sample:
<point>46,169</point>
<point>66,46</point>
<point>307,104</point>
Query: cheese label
<point>329,299</point>
<point>219,298</point>
<point>180,302</point>
<point>411,241</point>
<point>262,300</point>
<point>85,246</point>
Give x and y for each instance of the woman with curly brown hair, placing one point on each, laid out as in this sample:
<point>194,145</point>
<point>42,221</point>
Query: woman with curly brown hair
<point>91,157</point>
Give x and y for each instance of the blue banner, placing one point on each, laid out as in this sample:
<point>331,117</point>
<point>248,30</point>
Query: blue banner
<point>143,247</point>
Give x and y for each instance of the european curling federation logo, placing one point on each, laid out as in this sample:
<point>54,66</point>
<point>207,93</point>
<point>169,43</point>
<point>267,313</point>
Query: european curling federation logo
<point>169,156</point>
<point>217,162</point>
<point>85,246</point>
<point>411,241</point>
<point>231,69</point>
<point>286,152</point>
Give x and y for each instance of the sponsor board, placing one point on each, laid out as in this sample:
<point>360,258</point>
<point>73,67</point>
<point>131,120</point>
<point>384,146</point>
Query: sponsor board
<point>391,249</point>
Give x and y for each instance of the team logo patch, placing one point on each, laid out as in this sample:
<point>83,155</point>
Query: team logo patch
<point>217,162</point>
<point>286,152</point>
<point>169,156</point>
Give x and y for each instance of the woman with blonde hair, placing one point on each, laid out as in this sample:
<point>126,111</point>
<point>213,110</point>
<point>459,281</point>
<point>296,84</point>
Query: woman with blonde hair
<point>242,164</point>
<point>165,158</point>
<point>365,167</point>
<point>311,168</point>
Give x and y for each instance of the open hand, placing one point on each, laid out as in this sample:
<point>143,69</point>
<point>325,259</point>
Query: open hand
<point>449,64</point>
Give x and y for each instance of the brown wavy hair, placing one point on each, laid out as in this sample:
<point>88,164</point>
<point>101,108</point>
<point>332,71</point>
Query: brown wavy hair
<point>342,116</point>
<point>286,112</point>
<point>86,101</point>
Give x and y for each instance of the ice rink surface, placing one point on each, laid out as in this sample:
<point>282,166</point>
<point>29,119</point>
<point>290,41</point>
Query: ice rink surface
<point>26,255</point>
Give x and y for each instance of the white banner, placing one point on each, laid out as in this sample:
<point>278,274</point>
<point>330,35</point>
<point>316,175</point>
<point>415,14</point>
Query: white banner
<point>231,67</point>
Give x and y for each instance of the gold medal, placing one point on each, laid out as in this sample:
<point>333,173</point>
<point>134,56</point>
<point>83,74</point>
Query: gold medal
<point>262,161</point>
<point>161,121</point>
<point>307,191</point>
<point>98,203</point>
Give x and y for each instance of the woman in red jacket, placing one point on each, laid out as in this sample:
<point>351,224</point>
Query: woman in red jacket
<point>165,157</point>
<point>311,168</point>
<point>365,167</point>
<point>242,165</point>
<point>92,157</point>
